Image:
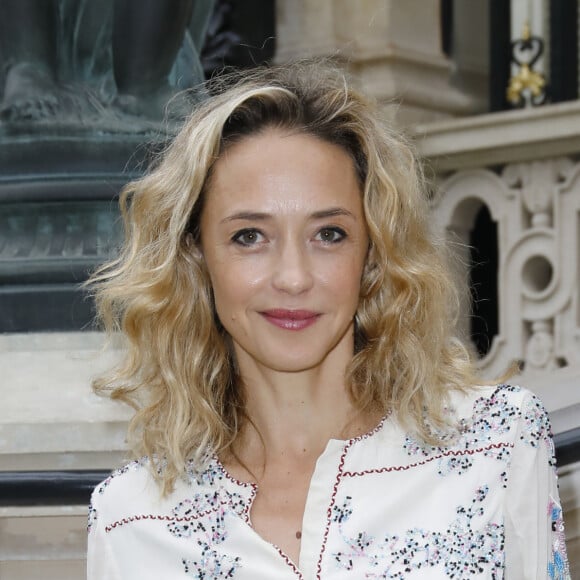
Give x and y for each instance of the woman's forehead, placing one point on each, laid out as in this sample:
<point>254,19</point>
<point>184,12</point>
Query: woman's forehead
<point>283,172</point>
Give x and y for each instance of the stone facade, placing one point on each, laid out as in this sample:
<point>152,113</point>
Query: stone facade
<point>392,48</point>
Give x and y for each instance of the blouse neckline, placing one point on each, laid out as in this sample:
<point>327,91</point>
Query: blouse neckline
<point>332,442</point>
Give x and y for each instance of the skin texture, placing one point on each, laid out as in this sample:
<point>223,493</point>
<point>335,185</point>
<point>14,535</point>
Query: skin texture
<point>270,188</point>
<point>284,239</point>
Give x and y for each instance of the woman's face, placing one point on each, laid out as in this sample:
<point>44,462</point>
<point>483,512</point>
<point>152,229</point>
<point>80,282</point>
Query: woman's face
<point>284,239</point>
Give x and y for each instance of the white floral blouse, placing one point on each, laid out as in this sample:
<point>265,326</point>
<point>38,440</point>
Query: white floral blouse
<point>379,506</point>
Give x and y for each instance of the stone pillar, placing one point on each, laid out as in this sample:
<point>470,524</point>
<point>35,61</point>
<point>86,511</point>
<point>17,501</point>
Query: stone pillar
<point>393,48</point>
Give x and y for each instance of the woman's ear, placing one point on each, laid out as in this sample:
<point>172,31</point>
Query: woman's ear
<point>194,249</point>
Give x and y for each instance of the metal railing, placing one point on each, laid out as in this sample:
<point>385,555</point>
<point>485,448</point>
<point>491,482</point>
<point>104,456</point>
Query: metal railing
<point>567,447</point>
<point>48,488</point>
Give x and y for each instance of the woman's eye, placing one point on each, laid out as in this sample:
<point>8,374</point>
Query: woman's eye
<point>331,235</point>
<point>247,237</point>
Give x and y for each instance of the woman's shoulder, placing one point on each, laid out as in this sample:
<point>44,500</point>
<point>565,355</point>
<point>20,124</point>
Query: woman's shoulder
<point>140,482</point>
<point>134,492</point>
<point>124,484</point>
<point>503,409</point>
<point>504,397</point>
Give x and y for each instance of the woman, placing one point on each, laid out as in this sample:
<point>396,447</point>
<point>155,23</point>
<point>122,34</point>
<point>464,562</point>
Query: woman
<point>303,410</point>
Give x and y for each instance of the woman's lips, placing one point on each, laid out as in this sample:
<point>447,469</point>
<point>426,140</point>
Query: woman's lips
<point>290,319</point>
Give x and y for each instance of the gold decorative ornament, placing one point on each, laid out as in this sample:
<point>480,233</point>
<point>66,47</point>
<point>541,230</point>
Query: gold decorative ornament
<point>527,86</point>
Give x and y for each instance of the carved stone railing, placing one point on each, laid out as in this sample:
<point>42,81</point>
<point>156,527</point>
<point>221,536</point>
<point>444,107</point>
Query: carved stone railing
<point>536,206</point>
<point>523,168</point>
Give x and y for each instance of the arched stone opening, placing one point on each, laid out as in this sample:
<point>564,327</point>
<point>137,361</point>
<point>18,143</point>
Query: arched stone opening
<point>474,227</point>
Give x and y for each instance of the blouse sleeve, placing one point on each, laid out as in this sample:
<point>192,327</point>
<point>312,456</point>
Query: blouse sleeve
<point>100,561</point>
<point>534,530</point>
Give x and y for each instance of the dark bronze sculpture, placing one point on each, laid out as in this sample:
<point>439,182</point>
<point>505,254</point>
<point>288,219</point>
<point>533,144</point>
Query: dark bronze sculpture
<point>87,88</point>
<point>87,63</point>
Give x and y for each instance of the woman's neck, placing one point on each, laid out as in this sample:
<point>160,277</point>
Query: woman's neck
<point>292,416</point>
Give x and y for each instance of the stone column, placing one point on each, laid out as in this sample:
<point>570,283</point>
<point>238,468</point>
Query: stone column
<point>392,47</point>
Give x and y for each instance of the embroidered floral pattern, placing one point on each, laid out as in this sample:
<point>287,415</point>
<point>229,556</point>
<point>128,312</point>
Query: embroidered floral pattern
<point>92,517</point>
<point>137,464</point>
<point>211,565</point>
<point>558,564</point>
<point>211,475</point>
<point>492,416</point>
<point>536,427</point>
<point>219,502</point>
<point>92,514</point>
<point>463,550</point>
<point>202,518</point>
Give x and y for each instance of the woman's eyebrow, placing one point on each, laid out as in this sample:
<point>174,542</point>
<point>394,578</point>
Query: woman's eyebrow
<point>247,215</point>
<point>332,212</point>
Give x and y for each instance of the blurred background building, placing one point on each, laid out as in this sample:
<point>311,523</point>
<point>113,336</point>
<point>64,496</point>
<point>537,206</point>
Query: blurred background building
<point>488,90</point>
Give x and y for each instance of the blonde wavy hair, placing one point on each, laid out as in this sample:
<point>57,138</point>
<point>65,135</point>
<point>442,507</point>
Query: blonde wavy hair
<point>178,370</point>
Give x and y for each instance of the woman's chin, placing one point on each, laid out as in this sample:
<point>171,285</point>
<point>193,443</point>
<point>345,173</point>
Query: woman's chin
<point>289,362</point>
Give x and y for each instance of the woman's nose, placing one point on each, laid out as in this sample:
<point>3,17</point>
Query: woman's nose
<point>292,270</point>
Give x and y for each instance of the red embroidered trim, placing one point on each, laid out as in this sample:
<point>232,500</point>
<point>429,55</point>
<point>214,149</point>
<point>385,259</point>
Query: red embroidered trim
<point>339,475</point>
<point>227,475</point>
<point>249,504</point>
<point>330,506</point>
<point>289,562</point>
<point>449,453</point>
<point>159,517</point>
